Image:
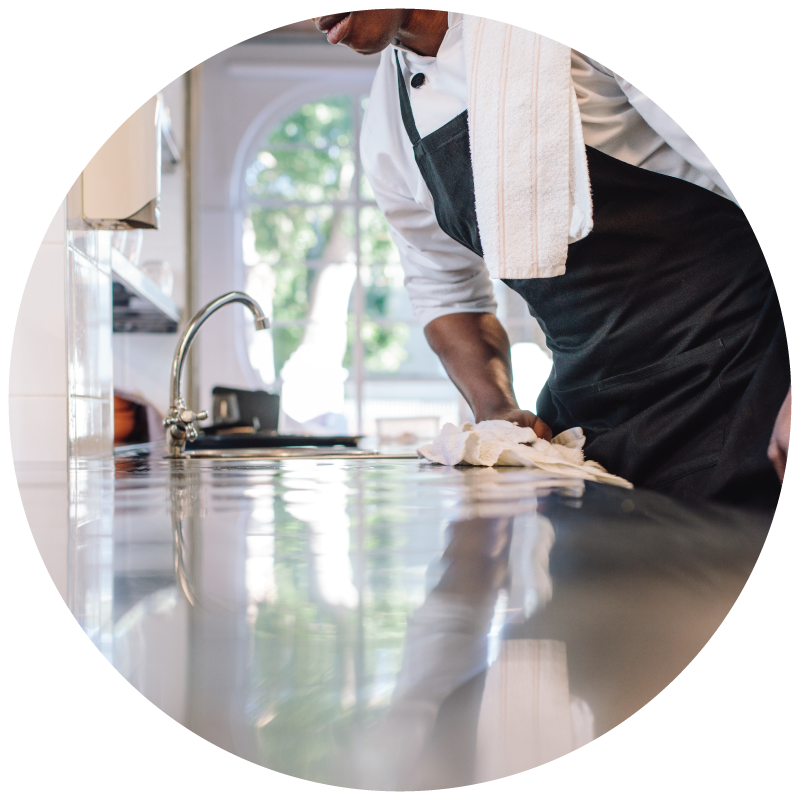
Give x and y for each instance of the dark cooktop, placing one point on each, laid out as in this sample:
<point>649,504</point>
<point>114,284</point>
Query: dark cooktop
<point>250,440</point>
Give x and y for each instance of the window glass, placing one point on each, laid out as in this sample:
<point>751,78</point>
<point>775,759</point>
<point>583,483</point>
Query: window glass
<point>344,349</point>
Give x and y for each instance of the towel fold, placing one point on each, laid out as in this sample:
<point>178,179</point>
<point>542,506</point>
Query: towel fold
<point>501,443</point>
<point>532,192</point>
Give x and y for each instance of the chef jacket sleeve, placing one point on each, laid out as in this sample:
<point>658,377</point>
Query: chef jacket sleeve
<point>441,276</point>
<point>656,118</point>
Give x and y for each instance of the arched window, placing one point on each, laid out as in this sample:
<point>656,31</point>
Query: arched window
<point>344,350</point>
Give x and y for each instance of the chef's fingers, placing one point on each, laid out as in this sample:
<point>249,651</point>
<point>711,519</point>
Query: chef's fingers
<point>778,458</point>
<point>528,419</point>
<point>542,429</point>
<point>778,450</point>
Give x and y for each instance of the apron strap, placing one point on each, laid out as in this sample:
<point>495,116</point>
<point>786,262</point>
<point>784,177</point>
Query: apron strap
<point>405,105</point>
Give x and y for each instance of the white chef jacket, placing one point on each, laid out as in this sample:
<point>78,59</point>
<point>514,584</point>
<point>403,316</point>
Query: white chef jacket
<point>441,275</point>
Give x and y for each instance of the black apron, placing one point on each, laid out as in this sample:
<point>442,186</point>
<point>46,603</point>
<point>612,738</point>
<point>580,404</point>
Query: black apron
<point>667,337</point>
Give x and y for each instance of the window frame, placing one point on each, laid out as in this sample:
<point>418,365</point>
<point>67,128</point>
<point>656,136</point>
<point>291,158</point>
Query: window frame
<point>357,84</point>
<point>313,84</point>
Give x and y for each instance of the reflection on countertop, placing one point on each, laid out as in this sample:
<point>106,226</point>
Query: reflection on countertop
<point>388,624</point>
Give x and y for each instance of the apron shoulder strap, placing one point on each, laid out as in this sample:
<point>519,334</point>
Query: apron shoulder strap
<point>405,105</point>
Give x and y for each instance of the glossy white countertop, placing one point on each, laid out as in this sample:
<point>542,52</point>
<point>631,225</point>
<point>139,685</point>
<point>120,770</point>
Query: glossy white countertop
<point>387,624</point>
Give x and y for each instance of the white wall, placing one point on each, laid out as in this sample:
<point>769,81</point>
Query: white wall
<point>142,361</point>
<point>38,404</point>
<point>61,398</point>
<point>38,379</point>
<point>60,392</point>
<point>90,389</point>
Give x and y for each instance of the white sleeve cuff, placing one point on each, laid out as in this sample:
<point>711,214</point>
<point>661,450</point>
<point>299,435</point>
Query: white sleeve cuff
<point>426,315</point>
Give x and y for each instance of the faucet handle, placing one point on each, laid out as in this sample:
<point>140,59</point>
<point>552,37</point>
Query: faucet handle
<point>185,415</point>
<point>189,417</point>
<point>180,422</point>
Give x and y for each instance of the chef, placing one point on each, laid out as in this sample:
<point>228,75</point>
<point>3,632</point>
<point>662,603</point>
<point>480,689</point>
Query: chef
<point>494,152</point>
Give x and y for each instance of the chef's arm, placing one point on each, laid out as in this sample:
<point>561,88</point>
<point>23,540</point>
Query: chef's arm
<point>779,444</point>
<point>476,353</point>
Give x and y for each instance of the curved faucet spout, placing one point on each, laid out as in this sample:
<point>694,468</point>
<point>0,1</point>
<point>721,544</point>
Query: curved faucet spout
<point>180,420</point>
<point>194,326</point>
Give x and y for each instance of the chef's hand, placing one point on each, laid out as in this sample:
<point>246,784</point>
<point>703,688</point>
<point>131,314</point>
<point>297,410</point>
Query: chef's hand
<point>525,419</point>
<point>779,443</point>
<point>476,353</point>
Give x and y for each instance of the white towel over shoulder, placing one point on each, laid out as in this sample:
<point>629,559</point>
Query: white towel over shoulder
<point>532,193</point>
<point>501,443</point>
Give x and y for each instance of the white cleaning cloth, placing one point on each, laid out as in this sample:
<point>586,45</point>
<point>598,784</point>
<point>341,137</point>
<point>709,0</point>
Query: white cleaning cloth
<point>532,193</point>
<point>500,443</point>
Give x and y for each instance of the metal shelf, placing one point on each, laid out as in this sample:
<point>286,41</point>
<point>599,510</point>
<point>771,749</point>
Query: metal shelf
<point>139,305</point>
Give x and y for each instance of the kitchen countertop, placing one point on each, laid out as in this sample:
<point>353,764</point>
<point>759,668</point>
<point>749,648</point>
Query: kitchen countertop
<point>389,624</point>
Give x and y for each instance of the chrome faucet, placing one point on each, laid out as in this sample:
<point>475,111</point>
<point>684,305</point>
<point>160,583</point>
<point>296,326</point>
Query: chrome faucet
<point>180,421</point>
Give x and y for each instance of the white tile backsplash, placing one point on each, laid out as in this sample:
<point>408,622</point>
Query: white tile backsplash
<point>142,365</point>
<point>89,349</point>
<point>90,356</point>
<point>38,402</point>
<point>104,250</point>
<point>84,242</point>
<point>91,427</point>
<point>38,428</point>
<point>61,377</point>
<point>39,353</point>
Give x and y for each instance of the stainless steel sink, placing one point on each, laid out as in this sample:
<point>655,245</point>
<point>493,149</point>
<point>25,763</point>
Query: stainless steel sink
<point>280,453</point>
<point>186,441</point>
<point>279,446</point>
<point>252,440</point>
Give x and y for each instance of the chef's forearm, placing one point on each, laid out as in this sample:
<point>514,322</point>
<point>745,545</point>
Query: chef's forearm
<point>476,354</point>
